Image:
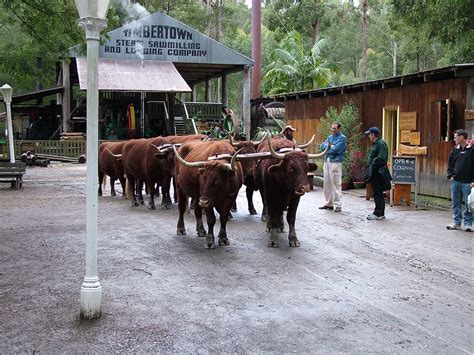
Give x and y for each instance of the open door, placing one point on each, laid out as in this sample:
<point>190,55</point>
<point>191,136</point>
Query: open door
<point>390,130</point>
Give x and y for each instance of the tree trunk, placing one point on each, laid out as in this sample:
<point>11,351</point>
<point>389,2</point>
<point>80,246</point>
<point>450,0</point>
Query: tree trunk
<point>365,39</point>
<point>394,58</point>
<point>315,28</point>
<point>209,18</point>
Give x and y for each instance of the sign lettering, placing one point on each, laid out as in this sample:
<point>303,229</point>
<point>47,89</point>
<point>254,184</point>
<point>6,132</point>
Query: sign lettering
<point>404,170</point>
<point>407,121</point>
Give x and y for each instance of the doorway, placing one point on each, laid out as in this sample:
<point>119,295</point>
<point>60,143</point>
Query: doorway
<point>390,129</point>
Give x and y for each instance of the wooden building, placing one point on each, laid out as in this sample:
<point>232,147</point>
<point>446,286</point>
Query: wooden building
<point>421,109</point>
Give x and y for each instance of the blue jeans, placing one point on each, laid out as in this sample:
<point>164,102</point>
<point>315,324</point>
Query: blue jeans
<point>459,193</point>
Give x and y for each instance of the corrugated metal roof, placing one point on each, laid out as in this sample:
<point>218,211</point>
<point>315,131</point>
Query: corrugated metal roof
<point>132,75</point>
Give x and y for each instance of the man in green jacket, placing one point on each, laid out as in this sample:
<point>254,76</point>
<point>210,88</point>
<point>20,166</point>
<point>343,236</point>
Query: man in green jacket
<point>377,172</point>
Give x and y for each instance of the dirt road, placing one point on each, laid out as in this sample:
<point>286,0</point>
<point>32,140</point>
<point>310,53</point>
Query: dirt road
<point>403,284</point>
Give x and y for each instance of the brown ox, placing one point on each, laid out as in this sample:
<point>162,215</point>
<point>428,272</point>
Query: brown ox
<point>212,184</point>
<point>179,140</point>
<point>111,165</point>
<point>248,169</point>
<point>282,181</point>
<point>144,162</point>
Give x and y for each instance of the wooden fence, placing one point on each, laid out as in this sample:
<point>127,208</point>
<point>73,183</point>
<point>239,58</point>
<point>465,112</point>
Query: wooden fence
<point>65,148</point>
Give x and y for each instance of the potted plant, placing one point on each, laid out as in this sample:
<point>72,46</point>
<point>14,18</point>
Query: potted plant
<point>358,165</point>
<point>351,125</point>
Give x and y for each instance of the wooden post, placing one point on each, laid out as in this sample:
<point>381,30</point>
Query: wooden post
<point>246,101</point>
<point>66,99</point>
<point>224,96</point>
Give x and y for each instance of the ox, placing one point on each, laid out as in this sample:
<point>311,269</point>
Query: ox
<point>248,167</point>
<point>179,140</point>
<point>111,165</point>
<point>145,162</point>
<point>282,181</point>
<point>211,184</point>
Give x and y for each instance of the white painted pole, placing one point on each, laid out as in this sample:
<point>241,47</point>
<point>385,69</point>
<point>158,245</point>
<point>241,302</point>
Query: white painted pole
<point>91,291</point>
<point>7,98</point>
<point>10,132</point>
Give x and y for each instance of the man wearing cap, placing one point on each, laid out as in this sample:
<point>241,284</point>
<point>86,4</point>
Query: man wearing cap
<point>333,168</point>
<point>287,132</point>
<point>377,172</point>
<point>461,174</point>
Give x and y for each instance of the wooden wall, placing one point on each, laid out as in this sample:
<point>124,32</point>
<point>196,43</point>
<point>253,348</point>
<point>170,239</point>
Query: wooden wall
<point>304,114</point>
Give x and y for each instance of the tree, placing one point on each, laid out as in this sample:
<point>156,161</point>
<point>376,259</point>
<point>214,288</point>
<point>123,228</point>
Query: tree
<point>295,68</point>
<point>449,21</point>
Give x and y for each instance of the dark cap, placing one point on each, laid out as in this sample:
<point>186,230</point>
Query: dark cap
<point>374,130</point>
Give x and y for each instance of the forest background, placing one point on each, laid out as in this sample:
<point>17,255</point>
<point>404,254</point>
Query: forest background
<point>306,44</point>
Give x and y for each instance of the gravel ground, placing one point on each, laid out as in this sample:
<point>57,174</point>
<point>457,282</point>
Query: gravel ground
<point>400,285</point>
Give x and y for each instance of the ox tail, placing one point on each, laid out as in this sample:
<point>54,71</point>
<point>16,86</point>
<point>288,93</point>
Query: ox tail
<point>104,181</point>
<point>128,193</point>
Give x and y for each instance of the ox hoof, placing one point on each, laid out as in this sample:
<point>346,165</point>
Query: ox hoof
<point>180,231</point>
<point>201,233</point>
<point>282,229</point>
<point>113,193</point>
<point>210,245</point>
<point>263,218</point>
<point>210,242</point>
<point>294,243</point>
<point>233,209</point>
<point>135,204</point>
<point>273,243</point>
<point>252,212</point>
<point>224,241</point>
<point>165,207</point>
<point>151,207</point>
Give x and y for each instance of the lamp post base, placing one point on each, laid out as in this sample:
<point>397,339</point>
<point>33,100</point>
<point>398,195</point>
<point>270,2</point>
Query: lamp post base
<point>91,298</point>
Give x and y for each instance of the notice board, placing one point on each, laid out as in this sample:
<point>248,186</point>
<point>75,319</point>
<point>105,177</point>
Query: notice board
<point>404,170</point>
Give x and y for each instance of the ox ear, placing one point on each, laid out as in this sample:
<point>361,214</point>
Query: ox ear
<point>276,169</point>
<point>312,166</point>
<point>158,155</point>
<point>201,171</point>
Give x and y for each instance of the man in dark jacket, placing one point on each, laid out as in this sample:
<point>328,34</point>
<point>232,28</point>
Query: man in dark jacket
<point>377,172</point>
<point>461,174</point>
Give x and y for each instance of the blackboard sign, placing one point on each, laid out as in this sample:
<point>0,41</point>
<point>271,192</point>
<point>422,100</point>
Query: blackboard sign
<point>404,170</point>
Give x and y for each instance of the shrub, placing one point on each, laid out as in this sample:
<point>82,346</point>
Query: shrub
<point>351,125</point>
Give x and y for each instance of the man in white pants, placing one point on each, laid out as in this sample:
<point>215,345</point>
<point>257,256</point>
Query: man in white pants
<point>333,168</point>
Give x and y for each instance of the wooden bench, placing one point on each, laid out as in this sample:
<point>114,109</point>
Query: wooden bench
<point>12,173</point>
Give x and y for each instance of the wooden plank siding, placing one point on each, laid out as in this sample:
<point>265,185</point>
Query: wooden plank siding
<point>305,113</point>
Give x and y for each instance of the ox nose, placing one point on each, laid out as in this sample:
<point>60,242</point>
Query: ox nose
<point>203,203</point>
<point>302,189</point>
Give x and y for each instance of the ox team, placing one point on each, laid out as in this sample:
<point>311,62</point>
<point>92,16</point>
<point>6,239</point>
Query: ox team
<point>211,172</point>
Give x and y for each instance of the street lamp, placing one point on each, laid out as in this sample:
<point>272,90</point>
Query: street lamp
<point>92,15</point>
<point>7,92</point>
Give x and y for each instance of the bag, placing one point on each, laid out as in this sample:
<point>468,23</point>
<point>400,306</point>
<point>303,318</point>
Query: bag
<point>470,200</point>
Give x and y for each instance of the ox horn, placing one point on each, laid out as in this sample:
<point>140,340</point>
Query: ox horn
<point>302,146</point>
<point>231,165</point>
<point>315,156</point>
<point>261,140</point>
<point>162,151</point>
<point>198,164</point>
<point>274,154</point>
<point>231,140</point>
<point>112,154</point>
